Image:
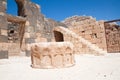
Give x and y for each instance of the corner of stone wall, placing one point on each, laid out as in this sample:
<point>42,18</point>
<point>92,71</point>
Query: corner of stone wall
<point>3,31</point>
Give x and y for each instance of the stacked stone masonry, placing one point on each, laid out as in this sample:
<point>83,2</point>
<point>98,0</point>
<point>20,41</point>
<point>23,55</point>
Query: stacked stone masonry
<point>112,37</point>
<point>3,30</point>
<point>37,27</point>
<point>17,33</point>
<point>81,45</point>
<point>88,28</point>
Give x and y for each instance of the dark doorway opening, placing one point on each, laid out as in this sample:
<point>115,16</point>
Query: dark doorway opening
<point>58,36</point>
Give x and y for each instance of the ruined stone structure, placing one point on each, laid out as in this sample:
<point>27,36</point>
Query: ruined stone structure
<point>52,55</point>
<point>86,34</point>
<point>3,30</point>
<point>81,45</point>
<point>38,28</point>
<point>112,37</point>
<point>104,35</point>
<point>88,28</point>
<point>18,32</point>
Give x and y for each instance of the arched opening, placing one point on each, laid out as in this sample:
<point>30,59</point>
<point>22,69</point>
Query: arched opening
<point>58,36</point>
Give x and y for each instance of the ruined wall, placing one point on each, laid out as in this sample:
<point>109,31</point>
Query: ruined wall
<point>29,11</point>
<point>81,45</point>
<point>88,28</point>
<point>3,30</point>
<point>13,39</point>
<point>38,28</point>
<point>112,37</point>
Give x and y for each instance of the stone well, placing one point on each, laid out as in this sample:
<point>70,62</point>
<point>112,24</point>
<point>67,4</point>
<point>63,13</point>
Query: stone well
<point>52,55</point>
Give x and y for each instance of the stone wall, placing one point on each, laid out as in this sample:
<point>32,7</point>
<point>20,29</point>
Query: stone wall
<point>3,30</point>
<point>88,28</point>
<point>81,45</point>
<point>38,28</point>
<point>112,37</point>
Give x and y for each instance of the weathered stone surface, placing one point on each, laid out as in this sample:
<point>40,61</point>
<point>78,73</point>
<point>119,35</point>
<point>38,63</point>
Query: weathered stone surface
<point>3,38</point>
<point>3,46</point>
<point>52,55</point>
<point>29,40</point>
<point>88,28</point>
<point>81,45</point>
<point>3,54</point>
<point>2,5</point>
<point>14,49</point>
<point>112,37</point>
<point>36,22</point>
<point>3,22</point>
<point>4,32</point>
<point>28,53</point>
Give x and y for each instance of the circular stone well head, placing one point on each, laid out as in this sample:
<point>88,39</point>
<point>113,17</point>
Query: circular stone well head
<point>52,55</point>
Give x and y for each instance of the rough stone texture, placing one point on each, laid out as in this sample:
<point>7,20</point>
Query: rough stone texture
<point>3,50</point>
<point>13,32</point>
<point>112,37</point>
<point>3,21</point>
<point>3,39</point>
<point>30,26</point>
<point>81,45</point>
<point>38,28</point>
<point>3,31</point>
<point>52,55</point>
<point>3,54</point>
<point>36,22</point>
<point>14,49</point>
<point>88,28</point>
<point>2,5</point>
<point>28,53</point>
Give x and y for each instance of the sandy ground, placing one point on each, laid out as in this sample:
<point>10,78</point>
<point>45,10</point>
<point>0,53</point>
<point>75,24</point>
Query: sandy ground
<point>88,67</point>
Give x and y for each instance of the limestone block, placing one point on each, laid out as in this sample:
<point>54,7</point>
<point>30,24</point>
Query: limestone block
<point>68,59</point>
<point>4,32</point>
<point>28,46</point>
<point>40,39</point>
<point>58,61</point>
<point>4,46</point>
<point>2,6</point>
<point>2,14</point>
<point>14,49</point>
<point>3,54</point>
<point>27,23</point>
<point>3,38</point>
<point>52,55</point>
<point>3,21</point>
<point>29,40</point>
<point>27,35</point>
<point>45,61</point>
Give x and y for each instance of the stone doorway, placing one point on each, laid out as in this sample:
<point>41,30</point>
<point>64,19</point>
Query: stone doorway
<point>58,36</point>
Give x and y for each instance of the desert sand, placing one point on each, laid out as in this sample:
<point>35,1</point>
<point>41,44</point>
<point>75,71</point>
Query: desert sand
<point>87,67</point>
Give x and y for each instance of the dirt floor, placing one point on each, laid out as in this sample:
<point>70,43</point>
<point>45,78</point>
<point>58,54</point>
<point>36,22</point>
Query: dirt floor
<point>87,67</point>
